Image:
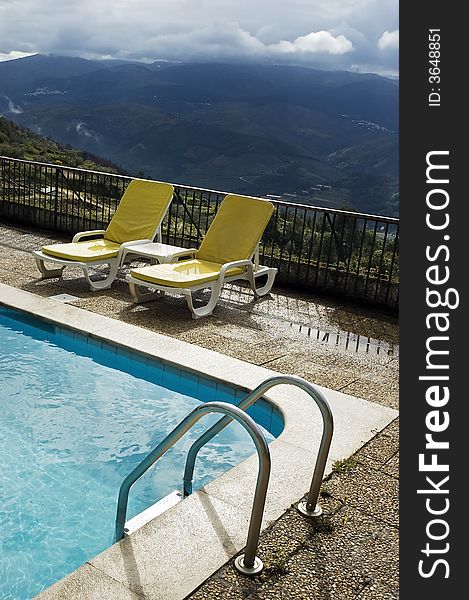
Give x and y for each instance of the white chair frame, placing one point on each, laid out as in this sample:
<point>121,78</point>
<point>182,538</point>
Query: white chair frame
<point>252,272</point>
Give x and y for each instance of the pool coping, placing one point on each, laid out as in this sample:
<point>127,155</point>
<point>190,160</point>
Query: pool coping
<point>169,557</point>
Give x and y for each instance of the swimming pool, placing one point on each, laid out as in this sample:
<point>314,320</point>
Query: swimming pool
<point>77,414</point>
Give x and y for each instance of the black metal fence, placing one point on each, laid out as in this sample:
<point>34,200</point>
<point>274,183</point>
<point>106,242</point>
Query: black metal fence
<point>340,253</point>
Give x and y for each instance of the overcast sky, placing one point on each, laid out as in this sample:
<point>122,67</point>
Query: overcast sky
<point>340,34</point>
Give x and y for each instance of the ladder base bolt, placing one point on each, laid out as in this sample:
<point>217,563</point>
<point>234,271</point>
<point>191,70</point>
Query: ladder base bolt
<point>302,508</point>
<point>254,570</point>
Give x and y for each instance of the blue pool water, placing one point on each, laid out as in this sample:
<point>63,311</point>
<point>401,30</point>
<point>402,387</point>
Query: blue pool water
<point>72,427</point>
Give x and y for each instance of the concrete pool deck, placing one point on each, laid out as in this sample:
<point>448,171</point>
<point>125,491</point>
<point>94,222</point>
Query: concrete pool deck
<point>359,535</point>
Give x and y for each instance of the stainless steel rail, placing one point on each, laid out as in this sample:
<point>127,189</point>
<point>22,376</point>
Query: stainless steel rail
<point>310,506</point>
<point>247,563</point>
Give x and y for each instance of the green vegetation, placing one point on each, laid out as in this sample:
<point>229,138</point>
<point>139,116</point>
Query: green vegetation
<point>344,466</point>
<point>19,142</point>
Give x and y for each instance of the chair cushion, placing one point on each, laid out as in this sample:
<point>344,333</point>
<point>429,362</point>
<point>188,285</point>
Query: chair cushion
<point>183,274</point>
<point>140,211</point>
<point>85,251</point>
<point>236,229</point>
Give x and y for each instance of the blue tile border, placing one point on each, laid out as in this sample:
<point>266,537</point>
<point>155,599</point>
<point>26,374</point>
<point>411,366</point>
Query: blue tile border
<point>155,371</point>
<point>35,328</point>
<point>139,366</point>
<point>189,383</point>
<point>207,390</point>
<point>225,393</point>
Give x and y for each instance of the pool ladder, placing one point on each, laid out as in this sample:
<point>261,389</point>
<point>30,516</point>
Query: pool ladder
<point>247,563</point>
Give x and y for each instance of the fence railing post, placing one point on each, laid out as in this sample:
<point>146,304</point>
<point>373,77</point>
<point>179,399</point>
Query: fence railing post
<point>56,199</point>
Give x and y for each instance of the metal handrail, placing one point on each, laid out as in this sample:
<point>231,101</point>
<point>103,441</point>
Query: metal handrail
<point>308,507</point>
<point>248,563</point>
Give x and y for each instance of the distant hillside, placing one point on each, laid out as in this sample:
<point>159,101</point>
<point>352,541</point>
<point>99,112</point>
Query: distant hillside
<point>253,129</point>
<point>19,142</point>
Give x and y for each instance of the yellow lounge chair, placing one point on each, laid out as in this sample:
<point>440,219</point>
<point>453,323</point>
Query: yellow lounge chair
<point>136,220</point>
<point>228,252</point>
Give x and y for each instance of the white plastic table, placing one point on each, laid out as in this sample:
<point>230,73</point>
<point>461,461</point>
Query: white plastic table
<point>161,253</point>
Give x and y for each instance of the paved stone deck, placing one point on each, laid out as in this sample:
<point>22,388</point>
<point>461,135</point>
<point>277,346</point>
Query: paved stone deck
<point>351,552</point>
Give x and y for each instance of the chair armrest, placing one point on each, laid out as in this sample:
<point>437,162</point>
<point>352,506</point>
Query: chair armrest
<point>131,243</point>
<point>231,265</point>
<point>185,252</point>
<point>81,234</point>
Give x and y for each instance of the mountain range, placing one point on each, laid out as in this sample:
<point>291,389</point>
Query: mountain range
<point>318,136</point>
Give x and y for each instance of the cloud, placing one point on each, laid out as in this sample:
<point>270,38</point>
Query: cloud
<point>389,40</point>
<point>13,54</point>
<point>319,33</point>
<point>217,40</point>
<point>320,41</point>
<point>15,110</point>
<point>227,40</point>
